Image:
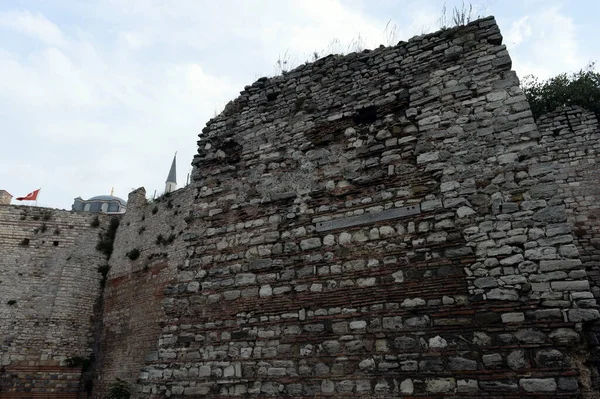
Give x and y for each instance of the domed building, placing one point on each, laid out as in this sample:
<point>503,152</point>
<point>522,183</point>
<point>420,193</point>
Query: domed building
<point>101,203</point>
<point>114,205</point>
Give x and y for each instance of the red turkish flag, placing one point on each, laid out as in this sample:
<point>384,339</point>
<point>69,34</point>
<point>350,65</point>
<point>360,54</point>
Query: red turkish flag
<point>32,196</point>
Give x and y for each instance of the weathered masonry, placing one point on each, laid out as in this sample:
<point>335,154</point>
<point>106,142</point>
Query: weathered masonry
<point>384,224</point>
<point>50,274</point>
<point>391,223</point>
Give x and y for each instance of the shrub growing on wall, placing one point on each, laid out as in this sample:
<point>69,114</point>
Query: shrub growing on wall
<point>105,245</point>
<point>580,88</point>
<point>133,254</point>
<point>119,389</point>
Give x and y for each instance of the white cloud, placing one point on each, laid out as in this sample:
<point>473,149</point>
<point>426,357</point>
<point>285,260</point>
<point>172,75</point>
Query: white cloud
<point>36,26</point>
<point>89,108</point>
<point>519,30</point>
<point>545,44</point>
<point>84,120</point>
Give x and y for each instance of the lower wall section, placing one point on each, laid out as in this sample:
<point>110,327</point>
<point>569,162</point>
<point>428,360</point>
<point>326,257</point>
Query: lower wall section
<point>133,299</point>
<point>132,314</point>
<point>37,382</point>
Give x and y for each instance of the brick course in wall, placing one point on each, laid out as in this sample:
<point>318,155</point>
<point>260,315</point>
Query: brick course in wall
<point>372,225</point>
<point>49,286</point>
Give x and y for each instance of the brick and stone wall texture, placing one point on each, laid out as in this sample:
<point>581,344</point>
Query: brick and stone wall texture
<point>381,224</point>
<point>49,288</point>
<point>570,137</point>
<point>5,197</point>
<point>135,289</point>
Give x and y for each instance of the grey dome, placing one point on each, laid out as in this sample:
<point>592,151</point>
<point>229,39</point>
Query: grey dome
<point>108,198</point>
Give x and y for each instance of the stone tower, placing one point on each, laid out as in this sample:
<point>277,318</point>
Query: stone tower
<point>5,197</point>
<point>171,183</point>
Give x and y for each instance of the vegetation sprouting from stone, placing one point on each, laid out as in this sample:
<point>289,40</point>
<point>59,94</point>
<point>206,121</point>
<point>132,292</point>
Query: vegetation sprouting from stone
<point>103,270</point>
<point>580,88</point>
<point>46,214</point>
<point>155,210</point>
<point>95,222</point>
<point>11,302</point>
<point>133,254</point>
<point>459,16</point>
<point>118,389</point>
<point>105,245</point>
<point>84,363</point>
<point>449,18</point>
<point>161,240</point>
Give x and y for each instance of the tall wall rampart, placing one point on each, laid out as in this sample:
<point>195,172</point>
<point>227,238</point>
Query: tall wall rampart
<point>390,223</point>
<point>49,288</point>
<point>570,138</point>
<point>375,225</point>
<point>147,251</point>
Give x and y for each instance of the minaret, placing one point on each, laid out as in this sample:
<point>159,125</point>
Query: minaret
<point>171,183</point>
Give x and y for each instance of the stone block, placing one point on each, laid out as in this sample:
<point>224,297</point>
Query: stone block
<point>516,360</point>
<point>538,384</point>
<point>582,285</point>
<point>440,385</point>
<point>366,219</point>
<point>578,315</point>
<point>515,317</point>
<point>503,294</point>
<point>551,214</point>
<point>461,364</point>
<point>492,360</point>
<point>467,386</point>
<point>201,389</point>
<point>560,264</point>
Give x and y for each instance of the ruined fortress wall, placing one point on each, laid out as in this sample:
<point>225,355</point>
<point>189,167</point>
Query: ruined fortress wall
<point>49,285</point>
<point>135,289</point>
<point>377,224</point>
<point>571,138</point>
<point>384,224</point>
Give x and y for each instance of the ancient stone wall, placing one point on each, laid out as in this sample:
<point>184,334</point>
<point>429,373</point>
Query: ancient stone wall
<point>372,225</point>
<point>390,223</point>
<point>146,252</point>
<point>49,286</point>
<point>570,137</point>
<point>5,197</point>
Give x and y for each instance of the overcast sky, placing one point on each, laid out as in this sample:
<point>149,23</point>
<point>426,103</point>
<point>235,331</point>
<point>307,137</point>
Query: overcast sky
<point>98,94</point>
